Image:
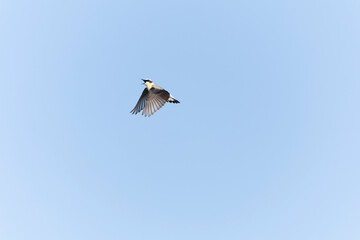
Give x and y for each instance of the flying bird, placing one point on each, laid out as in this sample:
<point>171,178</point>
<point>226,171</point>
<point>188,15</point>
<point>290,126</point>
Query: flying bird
<point>152,99</point>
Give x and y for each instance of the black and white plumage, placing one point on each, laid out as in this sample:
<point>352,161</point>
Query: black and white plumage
<point>152,99</point>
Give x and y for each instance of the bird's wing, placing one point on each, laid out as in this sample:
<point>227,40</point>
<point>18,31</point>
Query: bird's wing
<point>141,103</point>
<point>156,99</point>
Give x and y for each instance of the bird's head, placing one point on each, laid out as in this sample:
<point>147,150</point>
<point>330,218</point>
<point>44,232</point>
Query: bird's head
<point>148,82</point>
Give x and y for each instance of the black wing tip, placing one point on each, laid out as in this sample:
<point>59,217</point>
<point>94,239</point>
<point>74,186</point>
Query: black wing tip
<point>134,112</point>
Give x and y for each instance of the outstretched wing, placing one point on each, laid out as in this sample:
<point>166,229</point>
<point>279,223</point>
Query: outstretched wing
<point>141,103</point>
<point>156,99</point>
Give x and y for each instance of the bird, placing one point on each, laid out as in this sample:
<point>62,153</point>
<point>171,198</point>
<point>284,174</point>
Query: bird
<point>152,99</point>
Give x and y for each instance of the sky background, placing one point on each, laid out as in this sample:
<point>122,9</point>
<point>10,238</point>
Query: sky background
<point>264,145</point>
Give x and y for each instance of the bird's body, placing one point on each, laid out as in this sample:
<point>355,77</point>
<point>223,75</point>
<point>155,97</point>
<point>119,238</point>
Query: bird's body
<point>152,99</point>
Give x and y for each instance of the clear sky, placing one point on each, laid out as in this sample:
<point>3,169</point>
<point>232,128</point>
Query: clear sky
<point>264,145</point>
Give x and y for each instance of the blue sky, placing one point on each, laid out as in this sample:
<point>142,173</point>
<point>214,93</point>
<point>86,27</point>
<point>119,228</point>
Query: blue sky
<point>264,145</point>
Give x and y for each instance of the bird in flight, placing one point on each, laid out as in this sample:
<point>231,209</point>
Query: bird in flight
<point>152,99</point>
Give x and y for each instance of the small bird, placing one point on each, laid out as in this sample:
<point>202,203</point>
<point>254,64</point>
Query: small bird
<point>152,99</point>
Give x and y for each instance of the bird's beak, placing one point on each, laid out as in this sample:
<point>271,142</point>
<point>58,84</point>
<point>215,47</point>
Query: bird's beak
<point>144,81</point>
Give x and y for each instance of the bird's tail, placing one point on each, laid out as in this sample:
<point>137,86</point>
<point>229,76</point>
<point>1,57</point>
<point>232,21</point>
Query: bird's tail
<point>173,100</point>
